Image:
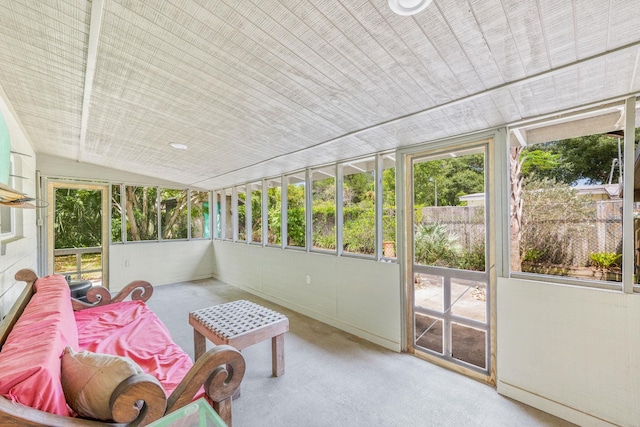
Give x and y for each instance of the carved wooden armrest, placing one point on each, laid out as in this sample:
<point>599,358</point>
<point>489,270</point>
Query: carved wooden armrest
<point>15,414</point>
<point>220,370</point>
<point>99,295</point>
<point>139,398</point>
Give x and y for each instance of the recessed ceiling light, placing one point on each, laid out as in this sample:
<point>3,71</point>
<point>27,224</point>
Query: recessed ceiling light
<point>408,7</point>
<point>178,146</point>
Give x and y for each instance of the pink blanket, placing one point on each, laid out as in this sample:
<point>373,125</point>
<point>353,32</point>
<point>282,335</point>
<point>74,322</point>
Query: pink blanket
<point>30,358</point>
<point>131,329</point>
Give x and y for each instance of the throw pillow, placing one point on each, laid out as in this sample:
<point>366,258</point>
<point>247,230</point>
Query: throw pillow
<point>89,379</point>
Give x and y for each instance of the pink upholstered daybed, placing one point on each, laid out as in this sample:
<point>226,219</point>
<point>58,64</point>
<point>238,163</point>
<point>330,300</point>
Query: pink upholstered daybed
<point>48,340</point>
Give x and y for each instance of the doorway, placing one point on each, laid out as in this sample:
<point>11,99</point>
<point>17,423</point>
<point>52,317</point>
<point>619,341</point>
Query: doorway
<point>77,237</point>
<point>447,224</point>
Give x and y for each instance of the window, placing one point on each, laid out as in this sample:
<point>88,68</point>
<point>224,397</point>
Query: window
<point>141,213</point>
<point>274,206</point>
<point>217,226</point>
<point>566,196</point>
<point>200,227</point>
<point>448,230</point>
<point>173,214</point>
<point>182,214</point>
<point>242,213</point>
<point>323,208</point>
<point>7,214</point>
<point>296,212</point>
<point>6,221</point>
<point>116,213</point>
<point>255,189</point>
<point>358,199</point>
<point>227,214</point>
<point>388,206</point>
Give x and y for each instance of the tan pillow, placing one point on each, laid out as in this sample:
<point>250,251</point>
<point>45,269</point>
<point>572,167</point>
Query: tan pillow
<point>89,379</point>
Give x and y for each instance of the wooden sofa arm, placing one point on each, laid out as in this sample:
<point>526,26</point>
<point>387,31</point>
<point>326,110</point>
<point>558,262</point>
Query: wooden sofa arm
<point>220,371</point>
<point>137,401</point>
<point>14,414</point>
<point>139,398</point>
<point>99,295</point>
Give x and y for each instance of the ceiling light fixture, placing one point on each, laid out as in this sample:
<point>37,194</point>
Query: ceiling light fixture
<point>408,7</point>
<point>178,146</point>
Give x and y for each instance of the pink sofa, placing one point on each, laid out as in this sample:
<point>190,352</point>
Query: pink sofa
<point>46,320</point>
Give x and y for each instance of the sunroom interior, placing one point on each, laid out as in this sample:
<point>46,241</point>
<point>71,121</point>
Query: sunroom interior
<point>324,142</point>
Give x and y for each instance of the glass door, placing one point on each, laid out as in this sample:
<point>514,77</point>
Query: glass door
<point>450,289</point>
<point>77,232</point>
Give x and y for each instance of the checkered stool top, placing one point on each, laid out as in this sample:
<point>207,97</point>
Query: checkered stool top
<point>235,318</point>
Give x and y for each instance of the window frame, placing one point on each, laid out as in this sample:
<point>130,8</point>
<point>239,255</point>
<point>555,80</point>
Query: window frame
<point>9,211</point>
<point>626,285</point>
<point>310,205</point>
<point>376,209</point>
<point>302,177</point>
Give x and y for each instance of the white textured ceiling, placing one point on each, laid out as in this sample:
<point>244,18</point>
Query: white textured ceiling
<point>260,87</point>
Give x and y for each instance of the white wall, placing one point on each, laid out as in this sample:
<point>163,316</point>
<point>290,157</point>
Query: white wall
<point>21,251</point>
<point>359,296</point>
<point>570,351</point>
<point>57,167</point>
<point>159,263</point>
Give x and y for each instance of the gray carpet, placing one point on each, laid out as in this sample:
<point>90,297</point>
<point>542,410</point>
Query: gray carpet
<point>333,378</point>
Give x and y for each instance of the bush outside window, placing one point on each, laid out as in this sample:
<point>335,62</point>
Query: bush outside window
<point>388,207</point>
<point>358,201</point>
<point>241,209</point>
<point>116,214</point>
<point>255,190</point>
<point>296,216</point>
<point>323,208</point>
<point>274,205</point>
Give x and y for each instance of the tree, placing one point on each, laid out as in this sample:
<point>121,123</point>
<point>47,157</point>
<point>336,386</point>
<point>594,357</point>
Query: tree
<point>543,163</point>
<point>447,179</point>
<point>78,218</point>
<point>515,206</point>
<point>586,158</point>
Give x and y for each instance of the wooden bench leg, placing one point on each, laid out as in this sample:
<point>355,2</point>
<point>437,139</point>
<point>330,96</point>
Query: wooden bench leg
<point>199,345</point>
<point>277,355</point>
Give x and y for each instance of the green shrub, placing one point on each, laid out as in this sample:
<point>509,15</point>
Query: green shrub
<point>359,231</point>
<point>532,255</point>
<point>473,259</point>
<point>604,260</point>
<point>436,245</point>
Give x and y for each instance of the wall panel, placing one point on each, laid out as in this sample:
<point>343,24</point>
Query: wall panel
<point>570,351</point>
<point>359,296</point>
<point>159,263</point>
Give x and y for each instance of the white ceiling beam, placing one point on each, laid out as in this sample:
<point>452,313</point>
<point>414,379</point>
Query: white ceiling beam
<point>520,135</point>
<point>574,129</point>
<point>92,57</point>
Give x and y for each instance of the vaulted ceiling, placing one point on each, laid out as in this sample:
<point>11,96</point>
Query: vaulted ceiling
<point>255,88</point>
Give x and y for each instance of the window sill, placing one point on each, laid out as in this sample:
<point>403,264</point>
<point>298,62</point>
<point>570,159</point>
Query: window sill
<point>562,280</point>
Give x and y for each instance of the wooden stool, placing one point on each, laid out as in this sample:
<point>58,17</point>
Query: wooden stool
<point>240,324</point>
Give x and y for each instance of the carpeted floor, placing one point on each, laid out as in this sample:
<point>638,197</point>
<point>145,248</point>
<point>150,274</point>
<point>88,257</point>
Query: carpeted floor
<point>333,378</point>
